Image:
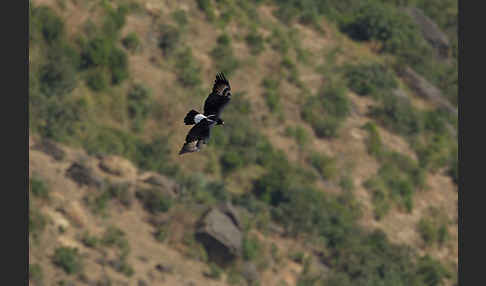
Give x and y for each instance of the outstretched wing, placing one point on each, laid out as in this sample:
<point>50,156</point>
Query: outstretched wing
<point>198,134</point>
<point>219,97</point>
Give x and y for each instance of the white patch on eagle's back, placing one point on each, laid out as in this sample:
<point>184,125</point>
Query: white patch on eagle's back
<point>198,118</point>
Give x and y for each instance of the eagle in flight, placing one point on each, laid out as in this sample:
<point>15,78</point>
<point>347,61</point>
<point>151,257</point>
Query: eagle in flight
<point>213,106</point>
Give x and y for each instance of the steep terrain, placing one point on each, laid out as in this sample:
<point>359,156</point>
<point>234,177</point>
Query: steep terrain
<point>300,100</point>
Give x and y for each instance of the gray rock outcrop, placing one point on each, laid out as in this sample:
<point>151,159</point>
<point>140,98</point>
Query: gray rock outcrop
<point>431,31</point>
<point>220,235</point>
<point>425,89</point>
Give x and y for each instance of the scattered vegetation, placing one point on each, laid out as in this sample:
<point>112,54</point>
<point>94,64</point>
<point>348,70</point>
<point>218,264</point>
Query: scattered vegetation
<point>161,233</point>
<point>396,180</point>
<point>139,105</point>
<point>255,42</point>
<point>398,115</point>
<point>131,42</point>
<point>223,56</point>
<point>89,240</point>
<point>282,190</point>
<point>369,78</point>
<point>154,200</point>
<point>395,30</point>
<point>374,144</point>
<point>251,247</point>
<point>300,135</point>
<point>169,40</point>
<point>326,111</point>
<point>37,223</point>
<point>115,237</point>
<point>39,188</point>
<point>272,94</point>
<point>324,164</point>
<point>214,271</point>
<point>68,259</point>
<point>188,70</point>
<point>36,274</point>
<point>433,228</point>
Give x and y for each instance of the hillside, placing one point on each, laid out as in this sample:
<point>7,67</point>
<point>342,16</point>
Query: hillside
<point>339,149</point>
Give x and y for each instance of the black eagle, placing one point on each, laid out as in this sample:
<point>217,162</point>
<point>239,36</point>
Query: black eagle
<point>213,106</point>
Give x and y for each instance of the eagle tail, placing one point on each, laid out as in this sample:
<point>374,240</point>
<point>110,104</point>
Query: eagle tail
<point>189,119</point>
<point>188,148</point>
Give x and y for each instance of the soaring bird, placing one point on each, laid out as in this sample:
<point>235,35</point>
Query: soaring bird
<point>213,106</point>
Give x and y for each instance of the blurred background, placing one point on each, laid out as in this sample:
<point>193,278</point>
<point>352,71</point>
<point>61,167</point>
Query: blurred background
<point>337,163</point>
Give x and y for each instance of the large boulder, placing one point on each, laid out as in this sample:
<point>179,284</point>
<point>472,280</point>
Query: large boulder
<point>431,31</point>
<point>425,89</point>
<point>83,175</point>
<point>220,236</point>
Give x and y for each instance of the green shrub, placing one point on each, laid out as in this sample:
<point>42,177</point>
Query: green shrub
<point>39,187</point>
<point>68,259</point>
<point>154,201</point>
<point>279,41</point>
<point>188,69</point>
<point>255,41</point>
<point>114,20</point>
<point>139,105</point>
<point>48,23</point>
<point>36,274</point>
<point>102,53</point>
<point>61,119</point>
<point>325,165</point>
<point>251,247</point>
<point>430,271</point>
<point>131,42</point>
<point>231,161</point>
<point>297,257</point>
<point>427,231</point>
<point>161,233</point>
<point>347,183</point>
<point>214,271</point>
<point>198,188</point>
<point>180,17</point>
<point>207,8</point>
<point>433,229</point>
<point>154,156</point>
<point>326,111</point>
<point>124,267</point>
<point>37,223</point>
<point>223,57</point>
<point>118,64</point>
<point>97,80</point>
<point>96,52</point>
<point>89,240</point>
<point>374,144</point>
<point>58,76</point>
<point>114,236</point>
<point>271,94</point>
<point>435,152</point>
<point>396,180</point>
<point>299,134</point>
<point>454,166</point>
<point>398,115</point>
<point>368,78</point>
<point>384,23</point>
<point>169,40</point>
